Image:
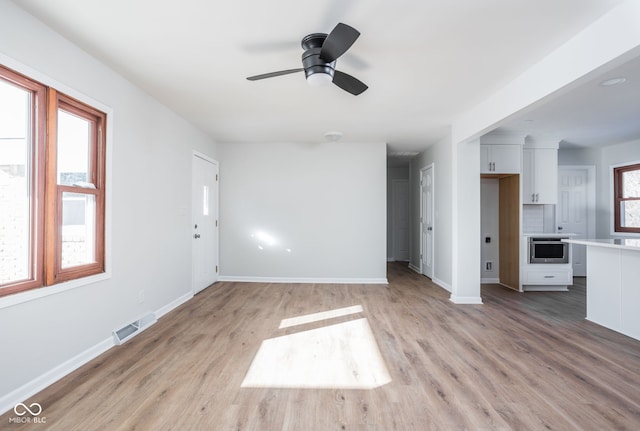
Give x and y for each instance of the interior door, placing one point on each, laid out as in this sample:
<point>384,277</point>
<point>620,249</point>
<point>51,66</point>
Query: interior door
<point>204,225</point>
<point>572,213</point>
<point>426,220</point>
<point>400,219</point>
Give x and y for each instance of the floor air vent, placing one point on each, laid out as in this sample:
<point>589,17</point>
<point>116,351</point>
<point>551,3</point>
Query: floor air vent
<point>134,328</point>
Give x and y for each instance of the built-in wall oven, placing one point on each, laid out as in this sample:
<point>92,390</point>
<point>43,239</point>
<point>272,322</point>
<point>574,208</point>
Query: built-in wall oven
<point>548,250</point>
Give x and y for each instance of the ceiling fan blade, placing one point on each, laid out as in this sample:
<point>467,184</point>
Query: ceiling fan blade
<point>274,74</point>
<point>349,83</point>
<point>338,42</point>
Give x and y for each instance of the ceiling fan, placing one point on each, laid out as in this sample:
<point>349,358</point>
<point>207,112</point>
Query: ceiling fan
<point>321,51</point>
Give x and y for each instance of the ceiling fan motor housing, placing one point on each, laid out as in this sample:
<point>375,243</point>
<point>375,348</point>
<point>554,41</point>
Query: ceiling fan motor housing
<point>311,61</point>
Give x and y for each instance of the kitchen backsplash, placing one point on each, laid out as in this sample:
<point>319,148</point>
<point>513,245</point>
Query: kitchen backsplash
<point>538,218</point>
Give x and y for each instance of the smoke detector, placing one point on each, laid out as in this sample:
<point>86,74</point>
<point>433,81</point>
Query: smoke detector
<point>333,136</point>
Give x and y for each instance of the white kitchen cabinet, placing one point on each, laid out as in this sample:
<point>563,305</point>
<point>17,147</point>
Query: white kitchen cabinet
<point>500,159</point>
<point>613,292</point>
<point>543,276</point>
<point>540,176</point>
<point>547,274</point>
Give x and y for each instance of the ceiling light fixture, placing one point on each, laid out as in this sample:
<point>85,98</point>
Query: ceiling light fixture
<point>333,136</point>
<point>613,81</point>
<point>319,79</point>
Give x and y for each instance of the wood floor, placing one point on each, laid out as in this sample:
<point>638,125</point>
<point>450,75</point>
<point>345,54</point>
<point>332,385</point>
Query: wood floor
<point>519,362</point>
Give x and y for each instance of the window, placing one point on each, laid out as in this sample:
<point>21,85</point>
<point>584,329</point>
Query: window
<point>626,183</point>
<point>52,186</point>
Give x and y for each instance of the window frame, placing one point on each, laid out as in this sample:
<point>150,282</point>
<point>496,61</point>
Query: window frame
<point>36,179</point>
<point>46,195</point>
<point>618,198</point>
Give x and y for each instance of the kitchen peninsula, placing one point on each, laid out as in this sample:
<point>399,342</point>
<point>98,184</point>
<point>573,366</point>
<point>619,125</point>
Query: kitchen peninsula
<point>613,286</point>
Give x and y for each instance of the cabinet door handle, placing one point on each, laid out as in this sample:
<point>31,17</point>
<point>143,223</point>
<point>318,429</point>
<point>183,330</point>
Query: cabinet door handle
<point>549,276</point>
<point>537,197</point>
<point>533,197</point>
<point>494,166</point>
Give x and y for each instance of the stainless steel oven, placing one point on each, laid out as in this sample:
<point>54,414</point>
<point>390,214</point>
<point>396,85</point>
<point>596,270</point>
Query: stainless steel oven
<point>548,250</point>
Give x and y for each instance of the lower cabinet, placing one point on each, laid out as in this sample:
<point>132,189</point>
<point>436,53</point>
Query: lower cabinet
<point>547,276</point>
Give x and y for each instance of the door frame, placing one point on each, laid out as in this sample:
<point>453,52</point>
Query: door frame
<point>422,203</point>
<point>198,154</point>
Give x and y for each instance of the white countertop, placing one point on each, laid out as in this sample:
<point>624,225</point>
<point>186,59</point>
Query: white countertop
<point>549,234</point>
<point>625,243</point>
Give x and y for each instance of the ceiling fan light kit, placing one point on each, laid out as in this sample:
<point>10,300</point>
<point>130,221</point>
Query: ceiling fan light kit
<point>321,51</point>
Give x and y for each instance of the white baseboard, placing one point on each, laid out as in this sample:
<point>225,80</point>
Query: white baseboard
<point>489,281</point>
<point>303,280</point>
<point>465,299</point>
<point>7,402</point>
<point>174,304</point>
<point>414,268</point>
<point>445,286</point>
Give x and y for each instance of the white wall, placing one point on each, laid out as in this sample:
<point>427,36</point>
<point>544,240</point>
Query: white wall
<point>440,154</point>
<point>150,243</point>
<point>603,159</point>
<point>303,212</point>
<point>612,155</point>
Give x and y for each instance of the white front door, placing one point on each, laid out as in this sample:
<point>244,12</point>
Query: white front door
<point>204,225</point>
<point>575,196</point>
<point>400,219</point>
<point>426,221</point>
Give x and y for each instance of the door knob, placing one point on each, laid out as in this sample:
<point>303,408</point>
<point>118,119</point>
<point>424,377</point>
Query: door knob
<point>196,236</point>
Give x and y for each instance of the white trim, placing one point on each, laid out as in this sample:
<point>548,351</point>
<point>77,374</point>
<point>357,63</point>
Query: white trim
<point>173,304</point>
<point>204,156</point>
<point>445,286</point>
<point>41,292</point>
<point>303,280</point>
<point>41,382</point>
<point>466,299</point>
<point>489,281</point>
<point>433,220</point>
<point>434,280</point>
<point>36,385</point>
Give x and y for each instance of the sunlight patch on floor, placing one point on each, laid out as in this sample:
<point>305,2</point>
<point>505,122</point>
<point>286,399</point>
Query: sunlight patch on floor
<point>343,355</point>
<point>323,315</point>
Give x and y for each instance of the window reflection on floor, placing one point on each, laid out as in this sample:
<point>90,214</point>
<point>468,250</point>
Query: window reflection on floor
<point>340,355</point>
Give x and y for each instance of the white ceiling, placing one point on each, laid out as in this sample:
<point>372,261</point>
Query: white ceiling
<point>424,61</point>
<point>590,114</point>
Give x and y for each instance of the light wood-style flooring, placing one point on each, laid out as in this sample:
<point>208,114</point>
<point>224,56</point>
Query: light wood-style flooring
<point>519,362</point>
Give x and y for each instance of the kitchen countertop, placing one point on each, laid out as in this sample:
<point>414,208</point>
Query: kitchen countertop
<point>624,243</point>
<point>549,234</point>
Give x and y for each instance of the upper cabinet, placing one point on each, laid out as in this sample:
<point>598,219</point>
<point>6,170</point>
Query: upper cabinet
<point>540,174</point>
<point>500,159</point>
<point>501,153</point>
